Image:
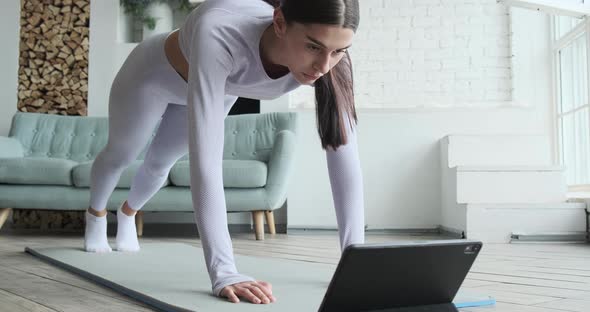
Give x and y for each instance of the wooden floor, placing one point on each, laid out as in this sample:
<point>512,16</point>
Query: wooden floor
<point>522,277</point>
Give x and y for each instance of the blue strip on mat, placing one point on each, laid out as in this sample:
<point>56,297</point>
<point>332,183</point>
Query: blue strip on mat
<point>479,303</point>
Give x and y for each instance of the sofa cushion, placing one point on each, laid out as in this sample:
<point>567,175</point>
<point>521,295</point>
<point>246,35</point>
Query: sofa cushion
<point>236,173</point>
<point>81,175</point>
<point>36,170</point>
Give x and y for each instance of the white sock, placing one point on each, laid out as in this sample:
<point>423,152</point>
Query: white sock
<point>126,232</point>
<point>95,234</point>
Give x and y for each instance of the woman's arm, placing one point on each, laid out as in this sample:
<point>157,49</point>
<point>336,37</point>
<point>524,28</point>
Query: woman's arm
<point>210,65</point>
<point>347,189</point>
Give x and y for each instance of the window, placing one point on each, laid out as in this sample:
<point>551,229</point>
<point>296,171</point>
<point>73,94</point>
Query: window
<point>571,41</point>
<point>564,24</point>
<point>570,48</point>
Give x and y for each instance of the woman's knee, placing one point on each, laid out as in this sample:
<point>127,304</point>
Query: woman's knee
<point>157,168</point>
<point>116,159</point>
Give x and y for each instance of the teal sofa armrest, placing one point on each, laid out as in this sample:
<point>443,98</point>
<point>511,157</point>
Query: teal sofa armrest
<point>280,166</point>
<point>10,148</point>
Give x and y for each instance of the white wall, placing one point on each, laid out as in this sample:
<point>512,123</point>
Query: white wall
<point>398,148</point>
<point>106,54</point>
<point>400,160</point>
<point>9,36</point>
<point>431,53</point>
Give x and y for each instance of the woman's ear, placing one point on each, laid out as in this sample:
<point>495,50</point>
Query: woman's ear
<point>279,23</point>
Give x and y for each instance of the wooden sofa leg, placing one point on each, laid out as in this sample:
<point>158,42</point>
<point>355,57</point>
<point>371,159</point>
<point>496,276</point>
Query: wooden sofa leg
<point>4,212</point>
<point>139,223</point>
<point>270,220</point>
<point>258,217</point>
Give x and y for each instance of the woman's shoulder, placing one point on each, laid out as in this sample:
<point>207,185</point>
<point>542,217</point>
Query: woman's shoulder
<point>234,23</point>
<point>226,20</point>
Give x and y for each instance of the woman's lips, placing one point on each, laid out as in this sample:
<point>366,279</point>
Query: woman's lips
<point>311,76</point>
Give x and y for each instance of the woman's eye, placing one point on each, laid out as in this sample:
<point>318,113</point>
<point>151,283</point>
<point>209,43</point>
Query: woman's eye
<point>313,48</point>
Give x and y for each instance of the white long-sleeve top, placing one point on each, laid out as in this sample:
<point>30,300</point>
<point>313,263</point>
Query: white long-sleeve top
<point>220,40</point>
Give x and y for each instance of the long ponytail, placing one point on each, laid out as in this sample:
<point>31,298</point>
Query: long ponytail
<point>335,104</point>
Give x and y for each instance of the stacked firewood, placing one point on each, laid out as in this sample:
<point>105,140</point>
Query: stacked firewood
<point>53,79</point>
<point>48,220</point>
<point>53,60</point>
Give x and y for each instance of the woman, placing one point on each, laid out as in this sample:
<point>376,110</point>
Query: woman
<point>190,78</point>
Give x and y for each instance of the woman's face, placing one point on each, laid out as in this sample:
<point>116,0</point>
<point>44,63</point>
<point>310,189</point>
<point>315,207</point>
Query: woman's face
<point>313,49</point>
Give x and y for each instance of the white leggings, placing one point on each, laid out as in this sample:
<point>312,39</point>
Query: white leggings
<point>145,89</point>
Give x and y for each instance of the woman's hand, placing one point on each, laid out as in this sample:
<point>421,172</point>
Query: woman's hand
<point>255,292</point>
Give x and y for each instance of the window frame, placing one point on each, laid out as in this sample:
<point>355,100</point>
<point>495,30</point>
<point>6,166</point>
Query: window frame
<point>557,45</point>
<point>553,7</point>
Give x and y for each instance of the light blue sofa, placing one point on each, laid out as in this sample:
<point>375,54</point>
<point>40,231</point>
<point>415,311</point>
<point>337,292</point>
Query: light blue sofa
<point>45,164</point>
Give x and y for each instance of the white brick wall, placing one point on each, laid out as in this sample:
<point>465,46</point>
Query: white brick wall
<point>428,53</point>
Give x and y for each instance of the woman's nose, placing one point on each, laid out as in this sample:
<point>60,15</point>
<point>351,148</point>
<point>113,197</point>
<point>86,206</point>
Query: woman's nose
<point>322,65</point>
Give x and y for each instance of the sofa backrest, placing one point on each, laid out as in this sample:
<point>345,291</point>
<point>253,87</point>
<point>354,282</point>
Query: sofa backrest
<point>67,137</point>
<point>80,139</point>
<point>252,136</point>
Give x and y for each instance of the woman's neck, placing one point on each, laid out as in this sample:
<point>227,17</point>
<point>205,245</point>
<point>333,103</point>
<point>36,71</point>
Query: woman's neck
<point>270,52</point>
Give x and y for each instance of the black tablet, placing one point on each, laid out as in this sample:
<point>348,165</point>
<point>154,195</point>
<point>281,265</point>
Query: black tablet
<point>413,276</point>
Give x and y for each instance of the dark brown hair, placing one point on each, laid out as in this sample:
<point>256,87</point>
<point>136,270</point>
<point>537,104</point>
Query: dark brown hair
<point>333,91</point>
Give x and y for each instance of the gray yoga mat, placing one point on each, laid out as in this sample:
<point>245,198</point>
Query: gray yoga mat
<point>173,277</point>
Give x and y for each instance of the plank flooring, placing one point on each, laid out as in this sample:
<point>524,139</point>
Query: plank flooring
<point>535,277</point>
